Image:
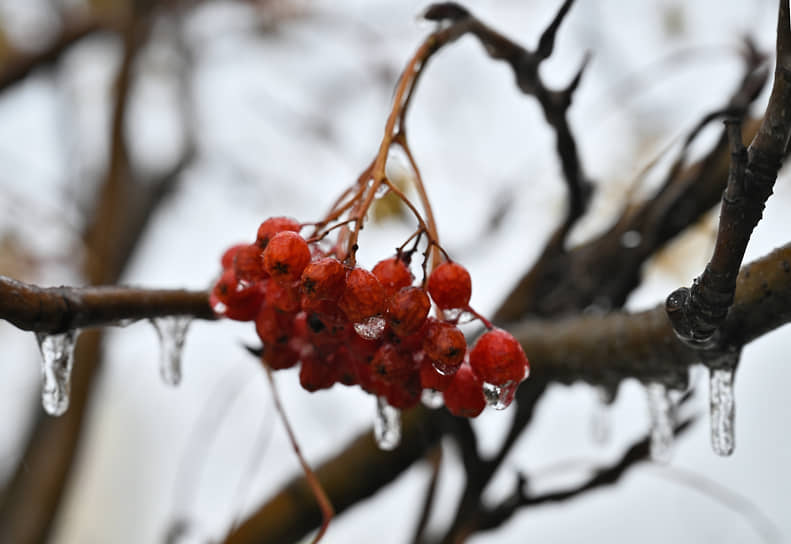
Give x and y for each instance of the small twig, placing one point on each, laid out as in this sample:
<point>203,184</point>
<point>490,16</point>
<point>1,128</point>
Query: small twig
<point>434,457</point>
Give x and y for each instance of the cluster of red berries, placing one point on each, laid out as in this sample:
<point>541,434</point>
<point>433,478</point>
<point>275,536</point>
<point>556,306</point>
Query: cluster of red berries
<point>370,328</point>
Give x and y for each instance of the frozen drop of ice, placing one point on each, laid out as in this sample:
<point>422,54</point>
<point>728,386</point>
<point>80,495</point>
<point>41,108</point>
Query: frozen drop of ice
<point>57,359</point>
<point>387,425</point>
<point>601,427</point>
<point>662,422</point>
<point>220,308</point>
<point>431,398</point>
<point>371,328</point>
<point>499,397</point>
<point>172,330</point>
<point>721,410</point>
<point>381,190</point>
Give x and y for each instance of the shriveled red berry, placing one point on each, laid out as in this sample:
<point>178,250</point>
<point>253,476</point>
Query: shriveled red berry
<point>227,258</point>
<point>363,296</point>
<point>498,358</point>
<point>323,279</point>
<point>272,226</point>
<point>430,378</point>
<point>464,396</point>
<point>283,296</point>
<point>392,365</point>
<point>450,286</point>
<point>248,265</point>
<point>279,357</point>
<point>393,274</point>
<point>286,256</point>
<point>407,310</point>
<point>234,300</point>
<point>274,326</point>
<point>404,395</point>
<point>444,345</point>
<point>317,373</point>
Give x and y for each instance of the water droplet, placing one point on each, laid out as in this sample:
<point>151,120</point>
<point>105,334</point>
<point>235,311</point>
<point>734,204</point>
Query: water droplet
<point>172,331</point>
<point>387,425</point>
<point>220,308</point>
<point>631,239</point>
<point>371,328</point>
<point>721,410</point>
<point>601,420</point>
<point>453,314</point>
<point>499,397</point>
<point>661,412</point>
<point>57,359</point>
<point>431,398</point>
<point>445,370</point>
<point>381,190</point>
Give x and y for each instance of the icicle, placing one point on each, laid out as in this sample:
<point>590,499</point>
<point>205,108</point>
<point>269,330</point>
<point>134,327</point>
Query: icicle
<point>387,425</point>
<point>371,328</point>
<point>172,330</point>
<point>431,398</point>
<point>721,410</point>
<point>499,396</point>
<point>57,359</point>
<point>601,427</point>
<point>662,422</point>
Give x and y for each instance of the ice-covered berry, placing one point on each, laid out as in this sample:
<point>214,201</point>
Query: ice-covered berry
<point>363,296</point>
<point>323,279</point>
<point>498,358</point>
<point>407,310</point>
<point>393,274</point>
<point>464,396</point>
<point>272,226</point>
<point>286,256</point>
<point>444,345</point>
<point>450,286</point>
<point>248,265</point>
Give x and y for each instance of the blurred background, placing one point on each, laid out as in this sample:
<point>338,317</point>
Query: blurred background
<point>240,110</point>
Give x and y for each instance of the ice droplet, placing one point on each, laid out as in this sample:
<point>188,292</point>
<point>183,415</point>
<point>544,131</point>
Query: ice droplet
<point>371,328</point>
<point>499,397</point>
<point>57,359</point>
<point>387,425</point>
<point>661,411</point>
<point>172,330</point>
<point>431,398</point>
<point>381,190</point>
<point>220,308</point>
<point>721,410</point>
<point>601,421</point>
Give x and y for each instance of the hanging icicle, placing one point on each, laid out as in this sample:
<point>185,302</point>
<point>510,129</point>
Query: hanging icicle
<point>387,425</point>
<point>172,331</point>
<point>57,359</point>
<point>662,417</point>
<point>721,401</point>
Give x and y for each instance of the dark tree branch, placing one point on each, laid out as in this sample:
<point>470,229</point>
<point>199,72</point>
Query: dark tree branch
<point>698,312</point>
<point>58,309</point>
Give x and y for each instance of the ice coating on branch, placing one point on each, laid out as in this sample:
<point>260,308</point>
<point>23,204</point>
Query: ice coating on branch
<point>601,421</point>
<point>371,328</point>
<point>57,359</point>
<point>431,398</point>
<point>499,397</point>
<point>662,422</point>
<point>172,330</point>
<point>721,410</point>
<point>387,425</point>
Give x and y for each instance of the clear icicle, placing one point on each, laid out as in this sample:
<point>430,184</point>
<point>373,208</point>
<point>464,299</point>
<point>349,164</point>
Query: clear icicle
<point>57,359</point>
<point>721,410</point>
<point>662,422</point>
<point>601,424</point>
<point>387,425</point>
<point>431,398</point>
<point>172,330</point>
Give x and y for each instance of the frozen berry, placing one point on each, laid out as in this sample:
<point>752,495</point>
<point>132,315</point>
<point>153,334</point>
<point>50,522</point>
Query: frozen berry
<point>363,296</point>
<point>286,256</point>
<point>316,373</point>
<point>407,310</point>
<point>444,345</point>
<point>323,279</point>
<point>283,296</point>
<point>393,274</point>
<point>272,226</point>
<point>233,299</point>
<point>273,326</point>
<point>227,258</point>
<point>430,378</point>
<point>498,358</point>
<point>248,265</point>
<point>392,365</point>
<point>404,395</point>
<point>450,286</point>
<point>464,396</point>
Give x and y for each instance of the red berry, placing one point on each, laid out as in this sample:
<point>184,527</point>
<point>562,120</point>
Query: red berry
<point>393,274</point>
<point>227,258</point>
<point>450,286</point>
<point>407,310</point>
<point>444,345</point>
<point>286,256</point>
<point>363,296</point>
<point>391,365</point>
<point>431,379</point>
<point>279,357</point>
<point>404,395</point>
<point>317,373</point>
<point>283,296</point>
<point>248,265</point>
<point>323,279</point>
<point>272,226</point>
<point>234,300</point>
<point>274,326</point>
<point>498,358</point>
<point>464,396</point>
